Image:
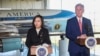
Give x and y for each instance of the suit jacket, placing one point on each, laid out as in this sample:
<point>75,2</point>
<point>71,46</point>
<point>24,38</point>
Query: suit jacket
<point>37,39</point>
<point>73,30</point>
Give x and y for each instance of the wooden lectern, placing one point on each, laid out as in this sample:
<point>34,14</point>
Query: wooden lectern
<point>82,41</point>
<point>33,50</point>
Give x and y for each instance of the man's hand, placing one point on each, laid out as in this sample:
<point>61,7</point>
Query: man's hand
<point>83,36</point>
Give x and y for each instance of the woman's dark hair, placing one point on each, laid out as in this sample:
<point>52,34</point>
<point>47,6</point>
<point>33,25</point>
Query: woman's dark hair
<point>41,18</point>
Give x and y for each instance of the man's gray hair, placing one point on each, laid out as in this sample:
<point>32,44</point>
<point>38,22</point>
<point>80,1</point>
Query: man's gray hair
<point>79,4</point>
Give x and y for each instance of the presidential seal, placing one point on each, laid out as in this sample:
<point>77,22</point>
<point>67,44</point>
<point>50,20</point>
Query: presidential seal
<point>41,51</point>
<point>90,42</point>
<point>57,26</point>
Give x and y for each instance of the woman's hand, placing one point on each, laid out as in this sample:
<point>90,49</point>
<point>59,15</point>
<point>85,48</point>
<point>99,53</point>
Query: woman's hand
<point>33,46</point>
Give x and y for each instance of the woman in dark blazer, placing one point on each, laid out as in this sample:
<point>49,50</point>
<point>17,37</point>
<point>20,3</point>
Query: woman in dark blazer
<point>37,35</point>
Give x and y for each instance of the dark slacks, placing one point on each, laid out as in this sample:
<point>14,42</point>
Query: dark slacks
<point>85,53</point>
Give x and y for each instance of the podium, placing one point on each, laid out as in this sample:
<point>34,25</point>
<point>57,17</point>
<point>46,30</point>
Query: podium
<point>82,41</point>
<point>33,50</point>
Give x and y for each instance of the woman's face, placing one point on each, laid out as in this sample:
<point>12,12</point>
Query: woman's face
<point>38,22</point>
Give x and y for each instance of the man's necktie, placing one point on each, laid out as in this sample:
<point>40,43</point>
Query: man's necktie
<point>80,25</point>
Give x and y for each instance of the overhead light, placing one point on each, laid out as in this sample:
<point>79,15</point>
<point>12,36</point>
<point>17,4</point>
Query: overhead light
<point>5,8</point>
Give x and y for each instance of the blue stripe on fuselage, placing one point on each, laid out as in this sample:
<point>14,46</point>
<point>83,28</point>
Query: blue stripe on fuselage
<point>63,14</point>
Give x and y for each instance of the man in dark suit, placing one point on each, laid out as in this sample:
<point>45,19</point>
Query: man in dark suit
<point>78,27</point>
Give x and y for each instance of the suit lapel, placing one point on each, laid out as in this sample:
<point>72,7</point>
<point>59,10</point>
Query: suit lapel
<point>40,33</point>
<point>77,25</point>
<point>35,33</point>
<point>83,26</point>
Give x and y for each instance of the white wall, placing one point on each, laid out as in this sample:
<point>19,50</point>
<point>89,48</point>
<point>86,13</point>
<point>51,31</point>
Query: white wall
<point>22,4</point>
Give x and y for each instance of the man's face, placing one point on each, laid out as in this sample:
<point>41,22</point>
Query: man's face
<point>79,11</point>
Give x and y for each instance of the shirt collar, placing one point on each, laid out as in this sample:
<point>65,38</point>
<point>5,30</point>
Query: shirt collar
<point>79,18</point>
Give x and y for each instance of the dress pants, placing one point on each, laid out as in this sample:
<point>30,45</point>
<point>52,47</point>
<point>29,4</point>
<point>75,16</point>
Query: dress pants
<point>84,53</point>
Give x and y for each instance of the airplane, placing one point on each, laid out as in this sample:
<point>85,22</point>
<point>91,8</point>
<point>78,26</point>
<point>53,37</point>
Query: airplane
<point>21,21</point>
<point>55,20</point>
<point>9,37</point>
